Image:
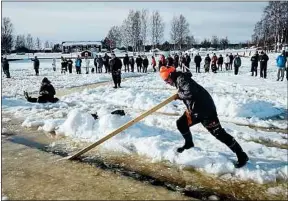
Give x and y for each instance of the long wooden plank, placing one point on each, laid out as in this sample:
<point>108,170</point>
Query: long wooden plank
<point>125,126</point>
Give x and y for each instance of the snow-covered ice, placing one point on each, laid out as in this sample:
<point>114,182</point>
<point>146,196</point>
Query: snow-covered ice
<point>240,99</point>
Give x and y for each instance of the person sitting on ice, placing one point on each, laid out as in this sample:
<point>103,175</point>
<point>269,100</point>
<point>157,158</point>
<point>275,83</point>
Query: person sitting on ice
<point>47,93</point>
<point>200,109</point>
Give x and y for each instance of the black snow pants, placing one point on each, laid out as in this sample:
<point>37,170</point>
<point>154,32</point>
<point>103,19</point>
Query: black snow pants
<point>212,124</point>
<point>42,99</point>
<point>263,70</point>
<point>116,76</point>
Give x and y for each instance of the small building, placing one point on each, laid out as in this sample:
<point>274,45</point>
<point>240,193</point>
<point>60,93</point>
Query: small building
<point>80,46</point>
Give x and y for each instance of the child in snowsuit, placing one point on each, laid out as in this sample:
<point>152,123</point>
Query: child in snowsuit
<point>213,63</point>
<point>200,109</point>
<point>78,63</point>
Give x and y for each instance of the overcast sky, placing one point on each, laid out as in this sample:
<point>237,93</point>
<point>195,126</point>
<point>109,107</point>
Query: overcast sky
<point>60,21</point>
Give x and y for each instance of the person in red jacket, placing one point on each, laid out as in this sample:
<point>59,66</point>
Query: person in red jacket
<point>153,63</point>
<point>213,63</point>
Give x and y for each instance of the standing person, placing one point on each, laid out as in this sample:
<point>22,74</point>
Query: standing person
<point>36,64</point>
<point>237,64</point>
<point>132,63</point>
<point>153,63</point>
<point>70,63</point>
<point>176,60</point>
<point>46,93</point>
<point>100,64</point>
<point>281,61</point>
<point>263,64</point>
<point>145,64</point>
<point>220,61</point>
<point>126,62</point>
<point>197,60</point>
<point>254,64</point>
<point>227,62</point>
<point>213,63</point>
<point>5,67</point>
<point>87,63</point>
<point>96,63</point>
<point>106,63</point>
<point>200,109</point>
<point>170,61</point>
<point>188,60</point>
<point>231,61</point>
<point>207,63</point>
<point>162,61</point>
<point>54,64</point>
<point>116,65</point>
<point>78,63</point>
<point>63,65</point>
<point>139,62</point>
<point>183,63</point>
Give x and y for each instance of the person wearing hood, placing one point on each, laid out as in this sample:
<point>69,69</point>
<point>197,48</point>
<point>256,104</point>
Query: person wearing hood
<point>46,93</point>
<point>139,62</point>
<point>36,64</point>
<point>5,67</point>
<point>126,63</point>
<point>200,109</point>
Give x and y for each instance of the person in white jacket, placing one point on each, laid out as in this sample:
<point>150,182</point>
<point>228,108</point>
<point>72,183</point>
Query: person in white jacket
<point>87,62</point>
<point>54,64</point>
<point>227,61</point>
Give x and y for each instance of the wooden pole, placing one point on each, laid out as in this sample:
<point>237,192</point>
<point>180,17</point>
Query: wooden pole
<point>125,126</point>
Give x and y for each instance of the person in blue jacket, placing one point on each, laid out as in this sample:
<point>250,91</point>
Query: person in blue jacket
<point>78,65</point>
<point>281,61</point>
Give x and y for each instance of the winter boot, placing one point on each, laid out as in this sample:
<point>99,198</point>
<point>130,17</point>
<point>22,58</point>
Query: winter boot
<point>188,142</point>
<point>241,155</point>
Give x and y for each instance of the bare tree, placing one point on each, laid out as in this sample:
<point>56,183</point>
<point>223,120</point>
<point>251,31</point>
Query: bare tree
<point>114,35</point>
<point>38,44</point>
<point>144,26</point>
<point>136,30</point>
<point>183,30</point>
<point>29,42</point>
<point>215,41</point>
<point>47,44</point>
<point>7,34</point>
<point>190,41</point>
<point>174,31</point>
<point>157,28</point>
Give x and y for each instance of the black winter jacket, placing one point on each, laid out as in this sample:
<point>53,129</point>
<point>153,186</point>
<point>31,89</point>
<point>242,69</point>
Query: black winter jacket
<point>145,62</point>
<point>197,59</point>
<point>220,60</point>
<point>207,60</point>
<point>139,61</point>
<point>195,97</point>
<point>263,60</point>
<point>126,60</point>
<point>5,65</point>
<point>36,63</point>
<point>254,61</point>
<point>115,64</point>
<point>47,90</point>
